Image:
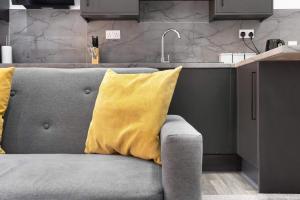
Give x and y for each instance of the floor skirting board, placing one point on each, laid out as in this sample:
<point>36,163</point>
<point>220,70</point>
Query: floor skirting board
<point>226,162</point>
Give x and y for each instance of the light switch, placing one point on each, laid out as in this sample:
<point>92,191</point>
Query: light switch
<point>113,34</point>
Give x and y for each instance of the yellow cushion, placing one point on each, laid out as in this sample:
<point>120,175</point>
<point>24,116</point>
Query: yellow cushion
<point>129,112</point>
<point>6,75</point>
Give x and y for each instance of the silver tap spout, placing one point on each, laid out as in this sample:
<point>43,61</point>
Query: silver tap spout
<point>163,59</point>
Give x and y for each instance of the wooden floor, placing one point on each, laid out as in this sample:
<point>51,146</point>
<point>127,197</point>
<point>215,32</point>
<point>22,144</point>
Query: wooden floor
<point>234,186</point>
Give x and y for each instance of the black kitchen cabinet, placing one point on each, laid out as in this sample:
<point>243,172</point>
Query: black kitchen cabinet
<point>206,98</point>
<point>247,113</point>
<point>268,124</point>
<point>109,9</point>
<point>240,9</point>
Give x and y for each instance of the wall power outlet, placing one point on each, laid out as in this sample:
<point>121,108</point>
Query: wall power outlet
<point>247,32</point>
<point>113,34</point>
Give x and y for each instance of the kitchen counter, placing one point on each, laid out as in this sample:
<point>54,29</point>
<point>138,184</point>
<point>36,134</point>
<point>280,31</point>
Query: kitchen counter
<point>283,53</point>
<point>118,65</point>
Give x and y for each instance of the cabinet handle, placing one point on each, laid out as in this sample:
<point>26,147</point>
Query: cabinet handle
<point>87,3</point>
<point>222,3</point>
<point>253,100</point>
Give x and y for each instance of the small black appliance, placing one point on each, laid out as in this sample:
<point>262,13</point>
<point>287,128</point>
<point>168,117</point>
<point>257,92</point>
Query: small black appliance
<point>274,43</point>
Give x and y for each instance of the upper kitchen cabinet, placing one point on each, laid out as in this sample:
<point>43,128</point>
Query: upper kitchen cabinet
<point>108,9</point>
<point>240,9</point>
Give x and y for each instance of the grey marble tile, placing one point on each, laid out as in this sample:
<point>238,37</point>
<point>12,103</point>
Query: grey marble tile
<point>48,36</point>
<point>63,36</point>
<point>174,11</point>
<point>142,41</point>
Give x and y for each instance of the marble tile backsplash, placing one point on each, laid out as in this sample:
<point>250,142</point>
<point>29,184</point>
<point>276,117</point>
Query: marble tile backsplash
<point>62,36</point>
<point>48,36</point>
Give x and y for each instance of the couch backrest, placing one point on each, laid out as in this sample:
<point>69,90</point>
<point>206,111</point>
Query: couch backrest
<point>50,109</point>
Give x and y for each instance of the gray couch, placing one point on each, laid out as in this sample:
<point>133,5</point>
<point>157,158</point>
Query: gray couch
<point>45,130</point>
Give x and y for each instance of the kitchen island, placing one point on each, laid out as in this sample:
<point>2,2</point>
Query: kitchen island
<point>268,116</point>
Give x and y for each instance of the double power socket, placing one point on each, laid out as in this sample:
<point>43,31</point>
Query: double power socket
<point>247,33</point>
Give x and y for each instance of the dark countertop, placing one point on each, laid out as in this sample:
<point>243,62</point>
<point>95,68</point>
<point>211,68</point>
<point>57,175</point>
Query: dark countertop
<point>120,65</point>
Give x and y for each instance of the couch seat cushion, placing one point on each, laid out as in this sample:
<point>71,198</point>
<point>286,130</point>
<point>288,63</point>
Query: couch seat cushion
<point>77,176</point>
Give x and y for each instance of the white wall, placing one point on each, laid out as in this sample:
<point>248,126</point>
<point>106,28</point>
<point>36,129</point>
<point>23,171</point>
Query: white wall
<point>286,4</point>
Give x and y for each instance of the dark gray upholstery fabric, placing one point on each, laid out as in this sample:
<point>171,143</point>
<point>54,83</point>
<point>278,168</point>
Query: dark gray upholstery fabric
<point>181,151</point>
<point>78,177</point>
<point>50,109</point>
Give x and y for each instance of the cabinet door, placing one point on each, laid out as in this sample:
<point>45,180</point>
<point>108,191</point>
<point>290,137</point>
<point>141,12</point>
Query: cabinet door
<point>110,6</point>
<point>244,6</point>
<point>247,112</point>
<point>205,98</point>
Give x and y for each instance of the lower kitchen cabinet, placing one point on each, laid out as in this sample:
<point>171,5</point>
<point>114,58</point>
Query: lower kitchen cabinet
<point>269,124</point>
<point>206,98</point>
<point>247,113</point>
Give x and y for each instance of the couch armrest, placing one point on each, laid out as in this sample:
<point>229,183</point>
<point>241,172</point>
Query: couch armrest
<point>181,154</point>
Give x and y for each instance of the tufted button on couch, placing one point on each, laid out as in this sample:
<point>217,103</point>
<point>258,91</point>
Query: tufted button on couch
<point>44,136</point>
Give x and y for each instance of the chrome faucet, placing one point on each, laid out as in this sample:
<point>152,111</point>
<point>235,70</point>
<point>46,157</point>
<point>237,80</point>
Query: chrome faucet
<point>163,60</point>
